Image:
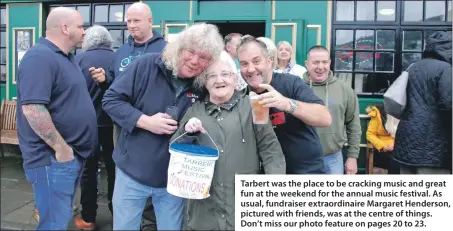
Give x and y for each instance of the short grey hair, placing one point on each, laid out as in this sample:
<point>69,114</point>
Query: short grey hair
<point>96,36</point>
<point>248,39</point>
<point>199,36</point>
<point>271,50</point>
<point>224,58</point>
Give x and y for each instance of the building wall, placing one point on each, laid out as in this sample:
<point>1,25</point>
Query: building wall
<point>311,18</point>
<point>17,21</point>
<point>3,91</point>
<point>315,15</point>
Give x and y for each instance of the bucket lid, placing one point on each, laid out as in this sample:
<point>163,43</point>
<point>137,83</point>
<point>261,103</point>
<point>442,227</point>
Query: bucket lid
<point>194,150</point>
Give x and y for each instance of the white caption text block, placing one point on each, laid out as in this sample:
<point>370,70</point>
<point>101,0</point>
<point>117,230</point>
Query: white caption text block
<point>343,202</point>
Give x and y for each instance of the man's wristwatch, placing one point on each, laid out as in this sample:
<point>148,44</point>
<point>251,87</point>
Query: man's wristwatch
<point>293,104</point>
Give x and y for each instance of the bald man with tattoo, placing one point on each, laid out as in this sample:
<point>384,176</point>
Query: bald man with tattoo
<point>56,120</point>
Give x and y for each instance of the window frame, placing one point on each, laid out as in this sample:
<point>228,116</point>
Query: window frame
<point>423,22</point>
<point>108,25</point>
<point>363,22</point>
<point>398,26</point>
<point>3,62</point>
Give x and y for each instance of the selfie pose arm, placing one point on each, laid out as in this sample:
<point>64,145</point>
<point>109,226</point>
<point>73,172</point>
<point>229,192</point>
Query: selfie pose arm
<point>306,107</point>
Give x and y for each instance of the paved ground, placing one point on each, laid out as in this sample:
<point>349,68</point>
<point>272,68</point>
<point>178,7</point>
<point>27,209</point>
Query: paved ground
<point>17,201</point>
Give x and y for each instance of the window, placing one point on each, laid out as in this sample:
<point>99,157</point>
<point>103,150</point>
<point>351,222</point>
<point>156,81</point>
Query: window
<point>365,53</point>
<point>427,11</point>
<point>365,11</point>
<point>2,44</point>
<point>110,15</point>
<point>374,41</point>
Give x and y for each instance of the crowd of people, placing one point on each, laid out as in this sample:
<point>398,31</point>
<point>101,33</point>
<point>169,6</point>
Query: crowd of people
<point>101,104</point>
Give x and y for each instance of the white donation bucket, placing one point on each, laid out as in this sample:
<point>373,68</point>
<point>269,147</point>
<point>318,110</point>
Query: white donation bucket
<point>191,170</point>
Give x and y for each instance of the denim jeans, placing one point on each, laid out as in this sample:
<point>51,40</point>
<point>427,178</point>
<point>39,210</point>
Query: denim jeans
<point>54,189</point>
<point>334,164</point>
<point>149,216</point>
<point>129,199</point>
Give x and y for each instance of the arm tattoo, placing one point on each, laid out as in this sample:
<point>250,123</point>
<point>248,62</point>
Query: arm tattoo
<point>40,121</point>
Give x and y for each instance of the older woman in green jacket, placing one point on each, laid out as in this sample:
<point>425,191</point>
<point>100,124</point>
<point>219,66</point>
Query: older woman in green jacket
<point>243,146</point>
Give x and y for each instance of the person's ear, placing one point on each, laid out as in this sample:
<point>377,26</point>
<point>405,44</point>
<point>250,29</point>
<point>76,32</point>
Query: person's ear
<point>64,29</point>
<point>269,61</point>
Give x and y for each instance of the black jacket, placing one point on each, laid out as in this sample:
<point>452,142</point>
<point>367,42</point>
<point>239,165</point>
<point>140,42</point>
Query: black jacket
<point>97,57</point>
<point>424,134</point>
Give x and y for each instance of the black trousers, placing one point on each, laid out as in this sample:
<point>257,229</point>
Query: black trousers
<point>89,184</point>
<point>385,160</point>
<point>148,217</point>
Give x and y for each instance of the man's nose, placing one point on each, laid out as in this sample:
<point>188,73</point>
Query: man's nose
<point>194,60</point>
<point>251,69</point>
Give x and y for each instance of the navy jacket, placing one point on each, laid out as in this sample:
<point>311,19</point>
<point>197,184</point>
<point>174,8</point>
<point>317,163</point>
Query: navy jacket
<point>144,88</point>
<point>132,50</point>
<point>97,57</point>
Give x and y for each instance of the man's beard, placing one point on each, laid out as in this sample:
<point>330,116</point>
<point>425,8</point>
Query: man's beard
<point>78,44</point>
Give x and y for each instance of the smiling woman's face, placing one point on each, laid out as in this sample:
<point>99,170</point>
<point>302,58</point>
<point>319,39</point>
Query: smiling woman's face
<point>220,82</point>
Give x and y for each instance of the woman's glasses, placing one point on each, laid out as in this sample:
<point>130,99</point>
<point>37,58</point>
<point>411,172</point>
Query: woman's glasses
<point>223,75</point>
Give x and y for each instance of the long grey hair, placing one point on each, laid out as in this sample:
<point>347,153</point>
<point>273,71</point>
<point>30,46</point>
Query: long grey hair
<point>96,36</point>
<point>199,36</point>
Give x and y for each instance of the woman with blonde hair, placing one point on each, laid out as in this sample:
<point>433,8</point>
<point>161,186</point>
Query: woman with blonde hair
<point>286,60</point>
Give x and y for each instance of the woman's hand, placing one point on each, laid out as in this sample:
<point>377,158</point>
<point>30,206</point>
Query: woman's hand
<point>194,125</point>
<point>388,148</point>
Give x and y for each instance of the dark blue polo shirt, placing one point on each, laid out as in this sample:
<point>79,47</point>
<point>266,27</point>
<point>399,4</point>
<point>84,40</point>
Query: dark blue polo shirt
<point>300,142</point>
<point>46,75</point>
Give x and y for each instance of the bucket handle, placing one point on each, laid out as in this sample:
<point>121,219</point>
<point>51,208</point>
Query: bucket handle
<point>202,133</point>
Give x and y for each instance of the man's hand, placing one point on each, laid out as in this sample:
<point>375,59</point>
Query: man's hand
<point>194,125</point>
<point>351,166</point>
<point>274,99</point>
<point>40,121</point>
<point>64,154</point>
<point>98,74</point>
<point>159,123</point>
